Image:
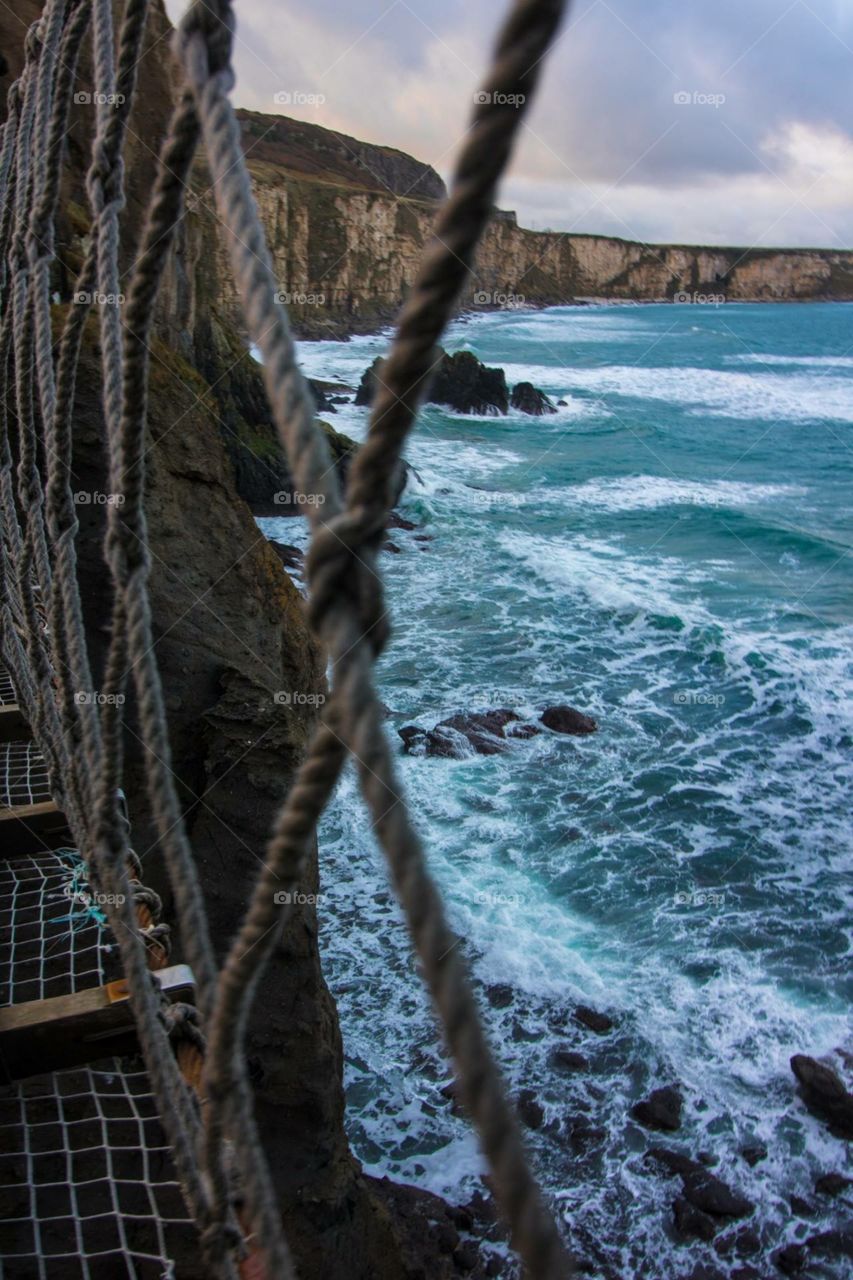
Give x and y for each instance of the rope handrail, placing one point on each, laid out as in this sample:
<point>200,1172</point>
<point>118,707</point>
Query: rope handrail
<point>83,743</point>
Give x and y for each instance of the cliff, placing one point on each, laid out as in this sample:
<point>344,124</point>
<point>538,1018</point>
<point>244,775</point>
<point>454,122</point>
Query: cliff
<point>347,222</point>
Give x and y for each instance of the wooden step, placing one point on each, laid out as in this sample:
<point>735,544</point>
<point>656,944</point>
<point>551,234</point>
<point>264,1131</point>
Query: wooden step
<point>67,1031</point>
<point>32,828</point>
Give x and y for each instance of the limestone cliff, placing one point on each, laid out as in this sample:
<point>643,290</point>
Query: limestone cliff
<point>347,222</point>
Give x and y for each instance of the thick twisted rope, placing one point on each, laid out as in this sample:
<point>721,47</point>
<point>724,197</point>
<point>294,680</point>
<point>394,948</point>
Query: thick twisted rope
<point>34,193</point>
<point>346,599</point>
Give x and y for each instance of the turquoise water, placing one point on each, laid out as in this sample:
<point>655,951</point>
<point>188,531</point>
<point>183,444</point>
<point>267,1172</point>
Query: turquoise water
<point>670,553</point>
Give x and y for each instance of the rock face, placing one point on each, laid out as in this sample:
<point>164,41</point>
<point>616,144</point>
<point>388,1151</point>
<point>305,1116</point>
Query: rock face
<point>529,399</point>
<point>347,223</point>
<point>463,383</point>
<point>824,1093</point>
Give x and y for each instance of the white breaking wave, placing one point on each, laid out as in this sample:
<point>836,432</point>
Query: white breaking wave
<point>645,493</point>
<point>770,397</point>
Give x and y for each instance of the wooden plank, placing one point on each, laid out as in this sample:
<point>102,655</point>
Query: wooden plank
<point>67,1031</point>
<point>32,828</point>
<point>13,726</point>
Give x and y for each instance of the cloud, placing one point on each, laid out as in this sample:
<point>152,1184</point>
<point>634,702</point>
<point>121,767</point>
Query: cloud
<point>759,152</point>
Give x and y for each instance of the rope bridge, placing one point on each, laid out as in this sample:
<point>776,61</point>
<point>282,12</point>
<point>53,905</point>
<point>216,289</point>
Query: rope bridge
<point>194,1090</point>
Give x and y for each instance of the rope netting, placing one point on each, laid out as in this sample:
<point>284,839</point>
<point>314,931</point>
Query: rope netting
<point>217,1147</point>
<point>23,775</point>
<point>53,936</point>
<point>88,1181</point>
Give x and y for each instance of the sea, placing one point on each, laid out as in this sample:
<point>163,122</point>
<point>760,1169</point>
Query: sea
<point>670,553</point>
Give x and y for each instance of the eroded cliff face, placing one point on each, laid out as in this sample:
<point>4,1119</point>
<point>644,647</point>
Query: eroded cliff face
<point>346,227</point>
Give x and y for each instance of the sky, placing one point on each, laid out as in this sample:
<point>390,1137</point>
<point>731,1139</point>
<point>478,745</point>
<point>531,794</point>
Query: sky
<point>692,121</point>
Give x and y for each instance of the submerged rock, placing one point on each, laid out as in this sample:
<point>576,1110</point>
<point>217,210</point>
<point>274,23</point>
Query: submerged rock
<point>563,719</point>
<point>661,1110</point>
<point>824,1093</point>
<point>529,399</point>
<point>593,1020</point>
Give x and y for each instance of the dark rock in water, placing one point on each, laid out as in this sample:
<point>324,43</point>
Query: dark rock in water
<point>396,521</point>
<point>568,1060</point>
<point>500,995</point>
<point>465,384</point>
<point>833,1184</point>
<point>529,399</point>
<point>743,1243</point>
<point>530,1110</point>
<point>582,1134</point>
<point>567,720</point>
<point>791,1259</point>
<point>562,403</point>
<point>482,733</point>
<point>710,1194</point>
<point>702,1271</point>
<point>661,1110</point>
<point>835,1244</point>
<point>461,381</point>
<point>691,1223</point>
<point>824,1093</point>
<point>291,557</point>
<point>702,1189</point>
<point>322,401</point>
<point>364,394</point>
<point>754,1153</point>
<point>466,1256</point>
<point>522,730</point>
<point>388,545</point>
<point>594,1021</point>
<point>802,1208</point>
